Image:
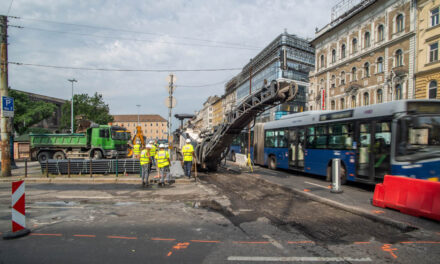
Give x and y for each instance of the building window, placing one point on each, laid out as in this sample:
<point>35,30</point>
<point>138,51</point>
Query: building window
<point>399,23</point>
<point>399,58</point>
<point>353,74</point>
<point>367,69</point>
<point>333,81</point>
<point>379,65</point>
<point>367,39</point>
<point>322,61</point>
<point>342,103</point>
<point>353,101</point>
<point>434,16</point>
<point>432,89</point>
<point>398,92</point>
<point>366,99</point>
<point>333,56</point>
<point>343,51</point>
<point>354,45</point>
<point>433,52</point>
<point>380,33</point>
<point>379,96</point>
<point>332,105</point>
<point>343,78</point>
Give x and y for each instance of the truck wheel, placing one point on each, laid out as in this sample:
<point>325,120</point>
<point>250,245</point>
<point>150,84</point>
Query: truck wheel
<point>272,163</point>
<point>59,155</point>
<point>43,156</point>
<point>97,154</point>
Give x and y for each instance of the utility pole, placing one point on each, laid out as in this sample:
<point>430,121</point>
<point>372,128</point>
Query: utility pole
<point>170,102</point>
<point>5,133</point>
<point>71,107</point>
<point>138,106</point>
<point>249,126</point>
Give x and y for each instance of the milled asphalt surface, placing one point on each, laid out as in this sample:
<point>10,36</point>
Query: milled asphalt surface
<point>200,222</point>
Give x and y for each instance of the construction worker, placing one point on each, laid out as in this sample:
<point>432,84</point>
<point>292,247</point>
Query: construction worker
<point>163,164</point>
<point>145,160</point>
<point>188,154</point>
<point>153,151</point>
<point>137,149</point>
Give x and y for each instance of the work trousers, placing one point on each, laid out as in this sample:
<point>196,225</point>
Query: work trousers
<point>187,165</point>
<point>153,162</point>
<point>164,172</point>
<point>145,172</point>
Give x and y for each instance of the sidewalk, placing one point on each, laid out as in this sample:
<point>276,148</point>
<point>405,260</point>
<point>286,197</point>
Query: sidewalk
<point>356,198</point>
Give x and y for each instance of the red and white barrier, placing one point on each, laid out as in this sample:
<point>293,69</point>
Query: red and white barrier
<point>18,206</point>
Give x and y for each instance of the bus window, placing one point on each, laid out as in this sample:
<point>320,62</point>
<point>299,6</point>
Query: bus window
<point>269,141</point>
<point>364,147</point>
<point>321,137</point>
<point>280,139</point>
<point>311,142</point>
<point>382,147</point>
<point>292,146</point>
<point>340,136</point>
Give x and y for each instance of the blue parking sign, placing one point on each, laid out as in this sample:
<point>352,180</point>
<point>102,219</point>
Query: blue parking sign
<point>8,106</point>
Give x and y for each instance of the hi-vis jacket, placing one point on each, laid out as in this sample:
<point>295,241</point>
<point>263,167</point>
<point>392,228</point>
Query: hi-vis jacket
<point>188,151</point>
<point>137,149</point>
<point>145,157</point>
<point>162,158</point>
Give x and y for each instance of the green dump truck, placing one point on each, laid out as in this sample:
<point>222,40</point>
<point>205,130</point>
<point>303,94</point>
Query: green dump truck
<point>99,141</point>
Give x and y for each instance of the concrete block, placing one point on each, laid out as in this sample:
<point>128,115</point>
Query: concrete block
<point>176,169</point>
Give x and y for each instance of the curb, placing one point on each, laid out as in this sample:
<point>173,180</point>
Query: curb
<point>132,180</point>
<point>357,211</point>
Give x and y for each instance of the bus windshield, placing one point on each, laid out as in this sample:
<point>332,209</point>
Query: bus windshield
<point>419,138</point>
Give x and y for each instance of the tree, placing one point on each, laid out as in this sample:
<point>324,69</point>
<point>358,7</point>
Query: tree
<point>92,108</point>
<point>29,112</point>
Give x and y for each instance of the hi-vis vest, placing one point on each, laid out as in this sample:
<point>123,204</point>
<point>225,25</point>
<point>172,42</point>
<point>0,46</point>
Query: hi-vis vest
<point>162,157</point>
<point>137,149</point>
<point>188,151</point>
<point>145,157</point>
<point>153,150</point>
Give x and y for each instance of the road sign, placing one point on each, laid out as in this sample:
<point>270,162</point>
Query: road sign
<point>169,78</point>
<point>173,102</point>
<point>8,106</point>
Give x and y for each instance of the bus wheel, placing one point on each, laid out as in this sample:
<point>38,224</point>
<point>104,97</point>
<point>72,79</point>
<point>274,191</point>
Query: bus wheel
<point>59,155</point>
<point>272,163</point>
<point>343,178</point>
<point>43,156</point>
<point>233,158</point>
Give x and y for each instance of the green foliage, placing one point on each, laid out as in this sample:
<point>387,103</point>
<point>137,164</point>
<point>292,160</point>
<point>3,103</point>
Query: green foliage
<point>38,130</point>
<point>93,108</point>
<point>28,112</point>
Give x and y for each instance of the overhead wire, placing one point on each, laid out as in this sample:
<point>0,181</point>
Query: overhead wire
<point>131,39</point>
<point>137,32</point>
<point>120,70</point>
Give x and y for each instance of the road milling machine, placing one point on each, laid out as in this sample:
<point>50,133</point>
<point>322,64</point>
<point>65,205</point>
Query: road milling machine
<point>211,147</point>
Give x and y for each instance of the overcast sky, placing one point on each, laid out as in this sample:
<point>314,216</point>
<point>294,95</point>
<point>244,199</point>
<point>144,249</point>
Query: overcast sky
<point>165,35</point>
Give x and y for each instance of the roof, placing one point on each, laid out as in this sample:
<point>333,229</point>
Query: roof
<point>142,118</point>
<point>342,18</point>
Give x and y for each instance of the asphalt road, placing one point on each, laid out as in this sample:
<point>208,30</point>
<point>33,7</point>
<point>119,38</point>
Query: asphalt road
<point>224,219</point>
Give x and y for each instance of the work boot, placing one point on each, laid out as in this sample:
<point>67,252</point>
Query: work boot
<point>143,183</point>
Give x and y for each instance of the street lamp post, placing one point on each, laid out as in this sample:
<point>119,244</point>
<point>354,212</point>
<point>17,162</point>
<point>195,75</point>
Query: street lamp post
<point>71,107</point>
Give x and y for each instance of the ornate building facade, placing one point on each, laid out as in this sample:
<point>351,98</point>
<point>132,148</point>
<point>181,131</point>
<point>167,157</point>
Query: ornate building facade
<point>428,40</point>
<point>365,56</point>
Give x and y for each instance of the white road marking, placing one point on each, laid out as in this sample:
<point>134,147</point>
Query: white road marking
<point>311,183</point>
<point>298,259</point>
<point>273,242</point>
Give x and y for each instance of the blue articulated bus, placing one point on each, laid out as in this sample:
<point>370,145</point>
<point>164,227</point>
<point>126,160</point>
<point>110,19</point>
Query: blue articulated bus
<point>398,138</point>
<point>240,144</point>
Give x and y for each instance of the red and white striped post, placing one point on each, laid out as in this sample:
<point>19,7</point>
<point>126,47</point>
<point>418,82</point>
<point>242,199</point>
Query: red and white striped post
<point>18,211</point>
